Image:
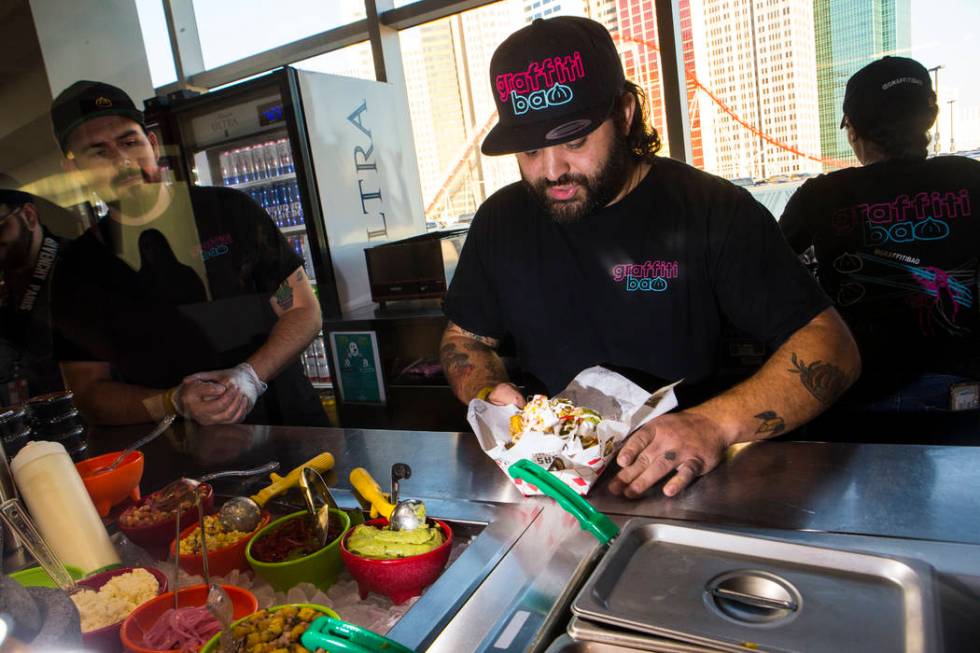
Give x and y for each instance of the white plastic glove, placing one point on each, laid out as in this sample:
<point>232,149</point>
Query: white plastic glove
<point>241,379</point>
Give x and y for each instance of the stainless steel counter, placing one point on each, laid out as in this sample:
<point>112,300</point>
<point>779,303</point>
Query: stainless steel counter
<point>897,500</point>
<point>908,491</point>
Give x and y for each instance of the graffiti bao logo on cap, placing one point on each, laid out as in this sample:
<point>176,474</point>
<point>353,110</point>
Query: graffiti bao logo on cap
<point>103,102</point>
<point>544,84</point>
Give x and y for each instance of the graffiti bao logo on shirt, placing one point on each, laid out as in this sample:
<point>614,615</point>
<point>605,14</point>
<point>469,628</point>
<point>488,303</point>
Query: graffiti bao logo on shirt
<point>651,276</point>
<point>214,247</point>
<point>544,84</point>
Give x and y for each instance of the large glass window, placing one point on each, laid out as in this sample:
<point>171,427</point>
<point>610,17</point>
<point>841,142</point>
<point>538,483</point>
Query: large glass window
<point>234,29</point>
<point>353,61</point>
<point>447,68</point>
<point>156,41</point>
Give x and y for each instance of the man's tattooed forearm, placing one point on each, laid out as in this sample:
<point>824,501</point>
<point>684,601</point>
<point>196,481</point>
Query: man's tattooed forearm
<point>772,423</point>
<point>825,381</point>
<point>455,362</point>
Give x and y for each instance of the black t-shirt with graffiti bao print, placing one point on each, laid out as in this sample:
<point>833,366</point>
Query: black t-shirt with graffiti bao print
<point>896,247</point>
<point>644,285</point>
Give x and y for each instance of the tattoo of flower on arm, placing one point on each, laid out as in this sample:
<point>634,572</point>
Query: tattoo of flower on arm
<point>284,296</point>
<point>456,363</point>
<point>772,423</point>
<point>825,381</point>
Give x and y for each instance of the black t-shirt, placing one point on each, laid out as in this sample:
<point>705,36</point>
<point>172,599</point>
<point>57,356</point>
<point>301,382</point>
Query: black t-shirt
<point>896,246</point>
<point>196,302</point>
<point>25,324</point>
<point>645,284</point>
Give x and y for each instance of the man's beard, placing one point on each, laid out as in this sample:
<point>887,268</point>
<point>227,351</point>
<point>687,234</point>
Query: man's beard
<point>599,189</point>
<point>139,198</point>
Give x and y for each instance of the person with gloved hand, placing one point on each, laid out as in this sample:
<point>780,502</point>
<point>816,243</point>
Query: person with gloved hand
<point>181,299</point>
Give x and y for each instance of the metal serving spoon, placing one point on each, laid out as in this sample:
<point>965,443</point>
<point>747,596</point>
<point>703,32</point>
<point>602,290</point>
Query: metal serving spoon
<point>161,426</point>
<point>406,515</point>
<point>219,605</point>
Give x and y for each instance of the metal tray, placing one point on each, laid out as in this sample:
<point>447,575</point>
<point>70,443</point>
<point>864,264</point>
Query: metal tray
<point>626,640</point>
<point>734,592</point>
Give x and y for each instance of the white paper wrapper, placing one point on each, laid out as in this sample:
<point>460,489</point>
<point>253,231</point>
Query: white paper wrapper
<point>624,407</point>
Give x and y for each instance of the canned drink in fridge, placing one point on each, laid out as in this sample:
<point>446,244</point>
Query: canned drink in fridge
<point>285,156</point>
<point>229,175</point>
<point>243,162</point>
<point>258,162</point>
<point>271,153</point>
<point>295,203</point>
<point>282,196</point>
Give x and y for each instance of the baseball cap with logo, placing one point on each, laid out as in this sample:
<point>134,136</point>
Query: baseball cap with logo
<point>885,90</point>
<point>85,100</point>
<point>553,81</point>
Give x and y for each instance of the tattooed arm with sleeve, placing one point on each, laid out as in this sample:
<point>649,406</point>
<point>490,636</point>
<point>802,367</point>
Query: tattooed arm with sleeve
<point>798,382</point>
<point>299,321</point>
<point>474,369</point>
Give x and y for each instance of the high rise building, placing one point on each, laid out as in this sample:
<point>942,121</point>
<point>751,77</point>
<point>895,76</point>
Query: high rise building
<point>761,66</point>
<point>849,35</point>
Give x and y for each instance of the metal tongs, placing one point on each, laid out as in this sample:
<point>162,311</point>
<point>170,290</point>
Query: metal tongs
<point>313,486</point>
<point>20,523</point>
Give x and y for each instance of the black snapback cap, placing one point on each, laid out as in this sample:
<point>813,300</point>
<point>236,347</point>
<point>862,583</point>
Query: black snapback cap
<point>886,89</point>
<point>85,100</point>
<point>554,80</point>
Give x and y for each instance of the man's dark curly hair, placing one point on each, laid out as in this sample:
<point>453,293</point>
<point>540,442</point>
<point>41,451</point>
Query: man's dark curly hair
<point>905,137</point>
<point>642,139</point>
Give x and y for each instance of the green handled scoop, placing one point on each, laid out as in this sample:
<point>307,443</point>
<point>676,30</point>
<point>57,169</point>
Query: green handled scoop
<point>339,636</point>
<point>589,518</point>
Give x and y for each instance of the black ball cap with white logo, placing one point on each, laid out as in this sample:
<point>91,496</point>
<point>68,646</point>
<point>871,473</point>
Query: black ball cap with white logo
<point>553,81</point>
<point>885,90</point>
<point>85,100</point>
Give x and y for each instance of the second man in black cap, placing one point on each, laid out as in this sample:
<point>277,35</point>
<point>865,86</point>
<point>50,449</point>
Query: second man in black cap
<point>607,254</point>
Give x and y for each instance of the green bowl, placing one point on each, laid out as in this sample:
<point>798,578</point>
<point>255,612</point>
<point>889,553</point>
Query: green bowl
<point>212,644</point>
<point>37,577</point>
<point>320,568</point>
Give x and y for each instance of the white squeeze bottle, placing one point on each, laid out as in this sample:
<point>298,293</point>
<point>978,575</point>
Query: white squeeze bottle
<point>60,505</point>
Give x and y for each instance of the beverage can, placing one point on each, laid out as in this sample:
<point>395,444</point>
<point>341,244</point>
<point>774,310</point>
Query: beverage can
<point>229,175</point>
<point>282,197</point>
<point>243,162</point>
<point>258,162</point>
<point>285,156</point>
<point>271,153</point>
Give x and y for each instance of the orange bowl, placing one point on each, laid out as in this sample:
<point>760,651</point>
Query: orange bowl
<point>220,561</point>
<point>110,488</point>
<point>143,618</point>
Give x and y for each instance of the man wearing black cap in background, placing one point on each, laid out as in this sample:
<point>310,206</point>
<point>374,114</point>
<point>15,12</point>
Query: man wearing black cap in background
<point>28,253</point>
<point>895,242</point>
<point>135,339</point>
<point>608,254</point>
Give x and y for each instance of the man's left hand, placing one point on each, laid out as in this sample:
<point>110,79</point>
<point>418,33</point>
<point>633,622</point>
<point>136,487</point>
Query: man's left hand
<point>242,379</point>
<point>686,443</point>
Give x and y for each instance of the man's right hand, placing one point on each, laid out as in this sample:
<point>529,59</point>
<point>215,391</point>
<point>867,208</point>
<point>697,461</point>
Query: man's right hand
<point>504,394</point>
<point>211,403</point>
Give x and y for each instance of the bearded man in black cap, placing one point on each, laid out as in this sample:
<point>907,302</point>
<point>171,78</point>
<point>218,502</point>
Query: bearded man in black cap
<point>895,243</point>
<point>607,254</point>
<point>179,300</point>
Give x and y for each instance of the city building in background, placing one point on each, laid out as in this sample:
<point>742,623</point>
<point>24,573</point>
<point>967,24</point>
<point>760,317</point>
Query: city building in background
<point>848,36</point>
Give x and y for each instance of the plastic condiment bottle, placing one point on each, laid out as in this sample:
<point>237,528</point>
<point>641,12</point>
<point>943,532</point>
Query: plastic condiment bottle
<point>59,503</point>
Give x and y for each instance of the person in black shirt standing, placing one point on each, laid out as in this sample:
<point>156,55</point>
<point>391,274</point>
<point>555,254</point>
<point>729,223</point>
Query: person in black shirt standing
<point>607,254</point>
<point>28,253</point>
<point>895,243</point>
<point>180,300</point>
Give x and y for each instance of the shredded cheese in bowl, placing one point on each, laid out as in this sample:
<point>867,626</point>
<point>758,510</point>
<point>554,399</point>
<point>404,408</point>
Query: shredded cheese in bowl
<point>115,600</point>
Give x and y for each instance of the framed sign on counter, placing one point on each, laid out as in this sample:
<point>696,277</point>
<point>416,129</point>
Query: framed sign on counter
<point>357,366</point>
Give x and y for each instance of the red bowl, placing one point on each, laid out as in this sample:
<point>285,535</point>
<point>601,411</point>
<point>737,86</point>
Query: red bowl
<point>106,639</point>
<point>143,618</point>
<point>110,488</point>
<point>220,561</point>
<point>402,578</point>
<point>156,538</point>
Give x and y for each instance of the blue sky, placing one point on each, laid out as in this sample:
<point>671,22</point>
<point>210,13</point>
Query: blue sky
<point>947,32</point>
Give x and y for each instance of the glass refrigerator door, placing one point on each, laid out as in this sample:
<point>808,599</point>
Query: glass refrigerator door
<point>253,154</point>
